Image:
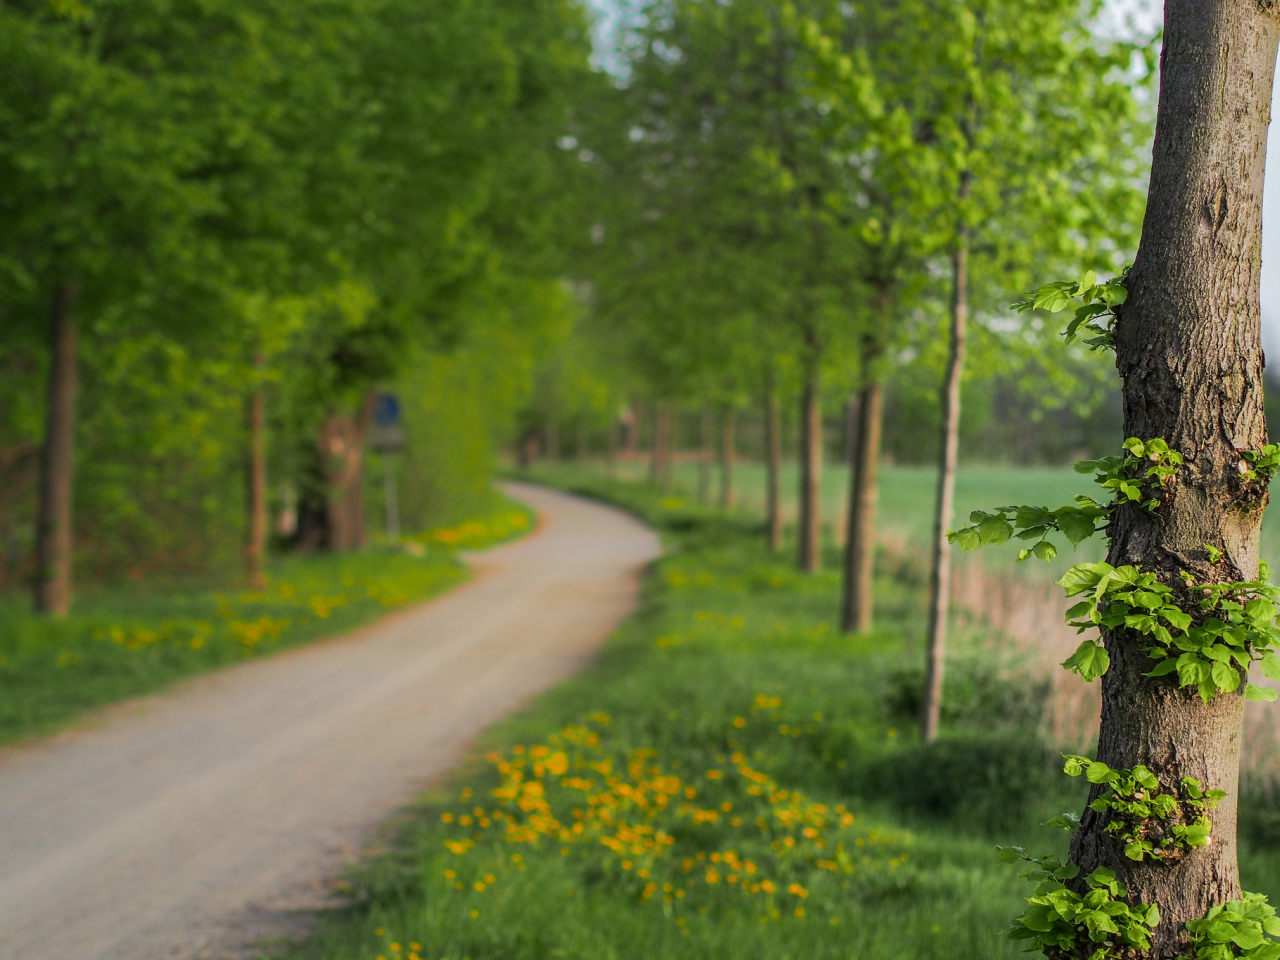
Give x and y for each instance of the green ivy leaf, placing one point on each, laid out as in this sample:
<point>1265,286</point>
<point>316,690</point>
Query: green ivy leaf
<point>1090,661</point>
<point>1045,550</point>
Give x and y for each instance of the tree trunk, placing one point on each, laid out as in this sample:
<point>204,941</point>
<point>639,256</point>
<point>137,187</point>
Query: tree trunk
<point>851,431</point>
<point>342,450</point>
<point>810,472</point>
<point>940,569</point>
<point>773,463</point>
<point>727,495</point>
<point>54,528</point>
<point>860,544</point>
<point>255,550</point>
<point>704,454</point>
<point>580,447</point>
<point>1190,361</point>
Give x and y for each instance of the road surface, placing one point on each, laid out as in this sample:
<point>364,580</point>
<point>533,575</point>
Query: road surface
<point>194,823</point>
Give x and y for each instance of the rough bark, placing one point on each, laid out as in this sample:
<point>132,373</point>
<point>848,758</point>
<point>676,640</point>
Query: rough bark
<point>342,451</point>
<point>940,567</point>
<point>54,524</point>
<point>1189,355</point>
<point>704,454</point>
<point>860,543</point>
<point>851,431</point>
<point>728,496</point>
<point>810,556</point>
<point>255,549</point>
<point>773,463</point>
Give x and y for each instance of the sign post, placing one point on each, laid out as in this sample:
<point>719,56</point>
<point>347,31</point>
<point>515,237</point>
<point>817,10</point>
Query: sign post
<point>388,439</point>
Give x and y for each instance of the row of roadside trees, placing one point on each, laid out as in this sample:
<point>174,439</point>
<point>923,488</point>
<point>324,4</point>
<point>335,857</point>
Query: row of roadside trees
<point>799,199</point>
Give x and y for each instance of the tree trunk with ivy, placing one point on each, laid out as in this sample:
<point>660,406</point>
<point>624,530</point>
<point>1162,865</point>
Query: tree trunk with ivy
<point>1189,354</point>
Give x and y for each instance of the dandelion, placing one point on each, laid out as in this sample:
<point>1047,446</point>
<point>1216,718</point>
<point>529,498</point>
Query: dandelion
<point>797,891</point>
<point>767,886</point>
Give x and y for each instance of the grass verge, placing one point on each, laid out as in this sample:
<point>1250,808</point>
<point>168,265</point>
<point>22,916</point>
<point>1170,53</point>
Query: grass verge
<point>133,639</point>
<point>732,777</point>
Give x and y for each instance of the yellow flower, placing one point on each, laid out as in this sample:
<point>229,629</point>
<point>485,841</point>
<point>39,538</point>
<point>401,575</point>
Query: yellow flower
<point>797,891</point>
<point>767,886</point>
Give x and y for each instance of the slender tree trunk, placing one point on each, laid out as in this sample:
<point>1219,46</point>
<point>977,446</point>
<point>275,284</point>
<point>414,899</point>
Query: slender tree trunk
<point>773,463</point>
<point>851,431</point>
<point>255,550</point>
<point>54,528</point>
<point>940,568</point>
<point>860,544</point>
<point>810,472</point>
<point>580,447</point>
<point>704,454</point>
<point>728,496</point>
<point>1190,361</point>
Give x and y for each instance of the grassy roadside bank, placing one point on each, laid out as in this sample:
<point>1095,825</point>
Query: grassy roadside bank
<point>129,639</point>
<point>732,777</point>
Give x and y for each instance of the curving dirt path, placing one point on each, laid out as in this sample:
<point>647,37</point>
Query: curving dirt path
<point>194,823</point>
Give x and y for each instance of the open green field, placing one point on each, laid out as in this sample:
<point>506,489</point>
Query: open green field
<point>126,639</point>
<point>906,502</point>
<point>731,778</point>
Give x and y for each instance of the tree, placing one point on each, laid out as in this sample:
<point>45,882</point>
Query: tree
<point>1190,327</point>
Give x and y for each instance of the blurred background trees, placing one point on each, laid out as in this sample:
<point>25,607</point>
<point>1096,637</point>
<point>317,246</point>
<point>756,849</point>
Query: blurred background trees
<point>234,223</point>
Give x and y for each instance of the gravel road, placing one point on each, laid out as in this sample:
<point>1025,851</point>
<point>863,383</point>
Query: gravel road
<point>197,822</point>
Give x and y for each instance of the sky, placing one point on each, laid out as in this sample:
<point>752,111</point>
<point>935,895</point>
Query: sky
<point>1120,17</point>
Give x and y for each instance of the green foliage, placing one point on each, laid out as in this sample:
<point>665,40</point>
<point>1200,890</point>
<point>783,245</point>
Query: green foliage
<point>801,703</point>
<point>1231,626</point>
<point>1239,928</point>
<point>1099,924</point>
<point>1127,479</point>
<point>1261,464</point>
<point>1095,320</point>
<point>1147,819</point>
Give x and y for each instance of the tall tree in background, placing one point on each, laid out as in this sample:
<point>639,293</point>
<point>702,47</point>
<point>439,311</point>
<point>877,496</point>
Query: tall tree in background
<point>1011,126</point>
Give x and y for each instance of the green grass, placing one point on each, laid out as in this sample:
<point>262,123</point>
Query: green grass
<point>125,640</point>
<point>906,503</point>
<point>732,674</point>
<point>730,677</point>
